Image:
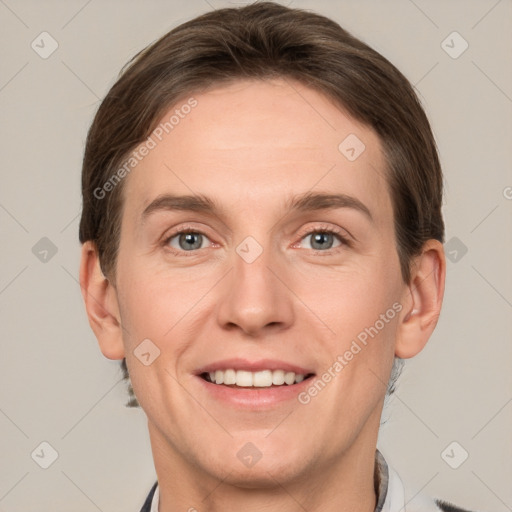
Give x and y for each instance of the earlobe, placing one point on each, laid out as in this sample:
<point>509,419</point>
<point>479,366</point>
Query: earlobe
<point>422,300</point>
<point>100,298</point>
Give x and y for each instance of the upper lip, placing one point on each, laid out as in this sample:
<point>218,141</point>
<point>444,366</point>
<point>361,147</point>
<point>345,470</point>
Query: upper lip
<point>253,366</point>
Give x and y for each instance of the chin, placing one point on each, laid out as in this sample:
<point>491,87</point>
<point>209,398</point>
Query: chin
<point>263,475</point>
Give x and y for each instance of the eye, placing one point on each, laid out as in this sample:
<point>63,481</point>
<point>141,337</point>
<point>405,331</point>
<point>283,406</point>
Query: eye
<point>324,239</point>
<point>186,240</point>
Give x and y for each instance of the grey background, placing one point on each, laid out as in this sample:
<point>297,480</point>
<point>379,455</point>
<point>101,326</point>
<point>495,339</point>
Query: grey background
<point>55,384</point>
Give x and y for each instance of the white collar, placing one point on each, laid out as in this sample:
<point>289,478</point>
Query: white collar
<point>155,500</point>
<point>395,496</point>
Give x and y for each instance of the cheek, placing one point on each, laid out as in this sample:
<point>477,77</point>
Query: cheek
<point>360,354</point>
<point>153,303</point>
<point>350,299</point>
<point>360,306</point>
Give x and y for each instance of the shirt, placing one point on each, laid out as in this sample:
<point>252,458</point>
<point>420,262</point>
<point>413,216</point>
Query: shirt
<point>388,487</point>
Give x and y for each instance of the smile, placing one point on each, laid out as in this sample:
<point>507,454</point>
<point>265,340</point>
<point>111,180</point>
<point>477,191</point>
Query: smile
<point>259,379</point>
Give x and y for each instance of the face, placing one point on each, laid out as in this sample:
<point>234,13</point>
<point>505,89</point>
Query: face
<point>260,281</point>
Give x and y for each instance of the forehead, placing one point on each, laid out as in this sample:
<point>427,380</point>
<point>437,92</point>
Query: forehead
<point>256,143</point>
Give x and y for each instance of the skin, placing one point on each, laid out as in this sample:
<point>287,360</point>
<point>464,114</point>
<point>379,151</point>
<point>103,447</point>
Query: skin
<point>251,146</point>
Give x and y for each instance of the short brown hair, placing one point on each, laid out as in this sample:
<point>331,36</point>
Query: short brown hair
<point>263,41</point>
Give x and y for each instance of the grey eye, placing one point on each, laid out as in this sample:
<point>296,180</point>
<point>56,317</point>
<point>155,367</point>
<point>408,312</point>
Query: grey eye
<point>187,241</point>
<point>321,240</point>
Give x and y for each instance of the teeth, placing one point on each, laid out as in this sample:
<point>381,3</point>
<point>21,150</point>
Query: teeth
<point>261,379</point>
<point>289,378</point>
<point>230,377</point>
<point>242,378</point>
<point>278,377</point>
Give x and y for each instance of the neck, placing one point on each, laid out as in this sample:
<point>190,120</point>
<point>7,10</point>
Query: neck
<point>343,484</point>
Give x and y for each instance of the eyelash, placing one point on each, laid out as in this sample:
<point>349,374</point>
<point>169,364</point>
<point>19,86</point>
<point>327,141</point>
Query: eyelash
<point>319,229</point>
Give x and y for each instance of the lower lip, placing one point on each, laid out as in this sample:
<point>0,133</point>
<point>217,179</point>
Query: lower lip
<point>251,397</point>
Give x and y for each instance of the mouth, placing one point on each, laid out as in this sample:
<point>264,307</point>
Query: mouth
<point>251,385</point>
<point>244,379</point>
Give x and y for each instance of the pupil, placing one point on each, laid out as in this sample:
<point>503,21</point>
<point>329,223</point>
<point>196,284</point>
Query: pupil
<point>319,239</point>
<point>189,239</point>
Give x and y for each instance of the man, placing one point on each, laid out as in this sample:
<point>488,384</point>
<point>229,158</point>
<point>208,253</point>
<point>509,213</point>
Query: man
<point>262,246</point>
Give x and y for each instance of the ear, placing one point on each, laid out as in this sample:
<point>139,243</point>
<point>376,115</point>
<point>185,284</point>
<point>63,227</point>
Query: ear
<point>422,300</point>
<point>100,297</point>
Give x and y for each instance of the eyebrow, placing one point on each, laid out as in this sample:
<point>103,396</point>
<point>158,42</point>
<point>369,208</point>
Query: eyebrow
<point>304,203</point>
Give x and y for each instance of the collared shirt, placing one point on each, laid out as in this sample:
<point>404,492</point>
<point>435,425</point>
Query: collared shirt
<point>388,487</point>
<point>156,500</point>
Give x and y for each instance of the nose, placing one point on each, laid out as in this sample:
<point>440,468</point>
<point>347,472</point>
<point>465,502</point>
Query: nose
<point>254,296</point>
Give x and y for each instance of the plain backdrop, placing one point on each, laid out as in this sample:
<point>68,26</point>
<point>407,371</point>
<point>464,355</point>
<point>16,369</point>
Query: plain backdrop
<point>57,388</point>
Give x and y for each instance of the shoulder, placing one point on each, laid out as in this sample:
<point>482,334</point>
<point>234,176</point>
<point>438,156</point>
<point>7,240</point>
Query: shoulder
<point>396,495</point>
<point>449,507</point>
<point>424,503</point>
